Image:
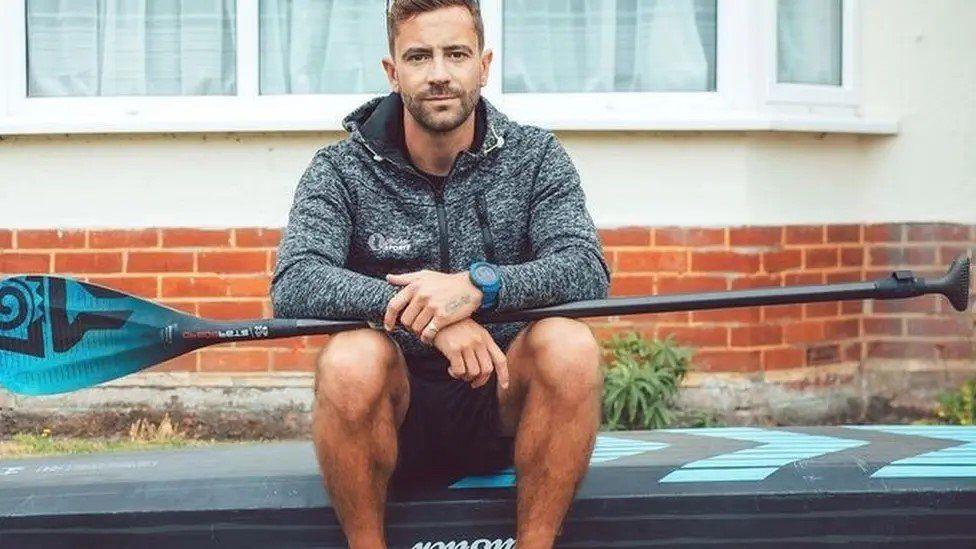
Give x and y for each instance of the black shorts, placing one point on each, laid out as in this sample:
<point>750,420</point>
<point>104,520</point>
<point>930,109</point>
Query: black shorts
<point>450,430</point>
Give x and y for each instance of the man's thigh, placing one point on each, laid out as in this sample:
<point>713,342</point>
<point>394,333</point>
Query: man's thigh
<point>374,343</point>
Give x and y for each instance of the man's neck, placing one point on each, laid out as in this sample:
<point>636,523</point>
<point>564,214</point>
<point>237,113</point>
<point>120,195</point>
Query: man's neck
<point>434,153</point>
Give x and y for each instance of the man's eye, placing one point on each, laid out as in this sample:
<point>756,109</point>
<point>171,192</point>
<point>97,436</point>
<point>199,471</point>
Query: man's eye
<point>416,57</point>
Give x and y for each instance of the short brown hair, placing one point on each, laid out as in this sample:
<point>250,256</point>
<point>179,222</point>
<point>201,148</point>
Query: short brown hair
<point>398,11</point>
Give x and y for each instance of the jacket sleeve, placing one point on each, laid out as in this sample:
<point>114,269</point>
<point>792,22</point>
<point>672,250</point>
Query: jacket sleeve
<point>568,262</point>
<point>309,280</point>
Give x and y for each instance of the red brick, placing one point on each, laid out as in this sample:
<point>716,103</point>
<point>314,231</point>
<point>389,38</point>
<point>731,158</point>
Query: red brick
<point>651,261</point>
<point>883,326</point>
<point>195,238</point>
<point>679,317</point>
<point>958,326</point>
<point>783,358</point>
<point>818,310</point>
<point>631,285</point>
<point>699,336</point>
<point>804,332</point>
<point>690,284</point>
<point>851,307</point>
<point>843,233</point>
<point>921,304</point>
<point>820,258</point>
<point>688,236</point>
<point>774,262</point>
<point>284,344</point>
<point>937,232</point>
<point>728,361</point>
<point>898,257</point>
<point>183,363</point>
<point>852,257</point>
<point>756,236</point>
<point>805,234</point>
<point>194,286</point>
<point>189,307</point>
<point>624,236</point>
<point>842,329</point>
<point>144,238</point>
<point>883,233</point>
<point>839,277</point>
<point>234,360</point>
<point>948,253</point>
<point>823,354</point>
<point>6,239</point>
<point>803,279</point>
<point>27,263</point>
<point>724,262</point>
<point>957,350</point>
<point>760,334</point>
<point>757,281</point>
<point>273,258</point>
<point>232,262</point>
<point>257,238</point>
<point>160,262</point>
<point>230,310</point>
<point>143,286</point>
<point>88,262</point>
<point>854,351</point>
<point>902,349</point>
<point>249,286</point>
<point>782,312</point>
<point>293,361</point>
<point>35,239</point>
<point>317,341</point>
<point>747,315</point>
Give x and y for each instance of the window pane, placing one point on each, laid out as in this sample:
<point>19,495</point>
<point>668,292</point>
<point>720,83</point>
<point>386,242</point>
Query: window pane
<point>323,46</point>
<point>131,47</point>
<point>810,43</point>
<point>609,45</point>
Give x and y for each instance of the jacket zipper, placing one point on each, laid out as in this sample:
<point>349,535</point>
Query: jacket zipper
<point>482,210</point>
<point>442,227</point>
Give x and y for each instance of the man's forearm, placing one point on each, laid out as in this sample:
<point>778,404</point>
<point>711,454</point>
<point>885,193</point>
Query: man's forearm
<point>311,289</point>
<point>573,274</point>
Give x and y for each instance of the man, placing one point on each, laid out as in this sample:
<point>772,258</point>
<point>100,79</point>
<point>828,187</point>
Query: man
<point>386,226</point>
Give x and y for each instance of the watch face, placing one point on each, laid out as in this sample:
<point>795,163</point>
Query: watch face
<point>485,275</point>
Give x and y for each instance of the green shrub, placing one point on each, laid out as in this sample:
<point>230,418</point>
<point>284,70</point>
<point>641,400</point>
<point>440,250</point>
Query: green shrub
<point>959,407</point>
<point>641,381</point>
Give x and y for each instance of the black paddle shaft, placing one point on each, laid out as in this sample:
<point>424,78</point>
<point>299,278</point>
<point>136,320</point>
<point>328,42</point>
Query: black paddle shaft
<point>954,285</point>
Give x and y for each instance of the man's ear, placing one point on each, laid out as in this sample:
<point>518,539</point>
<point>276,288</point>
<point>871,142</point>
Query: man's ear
<point>486,59</point>
<point>391,75</point>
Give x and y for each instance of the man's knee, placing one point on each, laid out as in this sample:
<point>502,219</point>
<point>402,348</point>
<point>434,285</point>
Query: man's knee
<point>566,356</point>
<point>353,372</point>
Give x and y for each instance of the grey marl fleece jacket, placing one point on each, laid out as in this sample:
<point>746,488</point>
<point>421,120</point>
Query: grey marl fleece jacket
<point>362,210</point>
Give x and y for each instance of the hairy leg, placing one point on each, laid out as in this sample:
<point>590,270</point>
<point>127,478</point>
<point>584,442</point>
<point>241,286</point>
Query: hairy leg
<point>556,380</point>
<point>361,398</point>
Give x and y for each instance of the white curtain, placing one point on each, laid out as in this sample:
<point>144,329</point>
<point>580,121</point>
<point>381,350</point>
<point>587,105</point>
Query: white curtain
<point>131,47</point>
<point>609,45</point>
<point>809,37</point>
<point>323,46</point>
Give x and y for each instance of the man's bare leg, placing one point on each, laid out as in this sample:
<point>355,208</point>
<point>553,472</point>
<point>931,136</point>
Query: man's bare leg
<point>361,398</point>
<point>552,406</point>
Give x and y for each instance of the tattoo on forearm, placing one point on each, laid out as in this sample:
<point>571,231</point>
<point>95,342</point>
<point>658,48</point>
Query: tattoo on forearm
<point>457,303</point>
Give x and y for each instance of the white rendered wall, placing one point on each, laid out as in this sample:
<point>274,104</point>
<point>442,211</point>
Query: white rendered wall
<point>918,67</point>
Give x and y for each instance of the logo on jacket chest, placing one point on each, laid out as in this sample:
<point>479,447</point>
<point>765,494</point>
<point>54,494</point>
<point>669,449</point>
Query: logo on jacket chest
<point>380,243</point>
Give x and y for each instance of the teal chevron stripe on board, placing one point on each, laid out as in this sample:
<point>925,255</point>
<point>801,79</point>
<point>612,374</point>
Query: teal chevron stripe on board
<point>607,449</point>
<point>776,449</point>
<point>953,462</point>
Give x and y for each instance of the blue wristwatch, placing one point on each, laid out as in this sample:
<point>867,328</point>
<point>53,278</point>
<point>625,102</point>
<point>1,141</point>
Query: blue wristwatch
<point>487,278</point>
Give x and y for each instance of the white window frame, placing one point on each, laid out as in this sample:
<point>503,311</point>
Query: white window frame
<point>745,97</point>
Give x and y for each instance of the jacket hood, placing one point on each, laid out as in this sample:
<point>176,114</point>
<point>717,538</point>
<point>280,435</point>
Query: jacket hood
<point>378,124</point>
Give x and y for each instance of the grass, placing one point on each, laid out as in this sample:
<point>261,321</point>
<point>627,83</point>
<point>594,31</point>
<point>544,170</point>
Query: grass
<point>142,435</point>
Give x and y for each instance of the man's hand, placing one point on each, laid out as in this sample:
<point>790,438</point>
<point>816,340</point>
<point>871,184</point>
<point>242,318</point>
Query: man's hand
<point>430,295</point>
<point>472,352</point>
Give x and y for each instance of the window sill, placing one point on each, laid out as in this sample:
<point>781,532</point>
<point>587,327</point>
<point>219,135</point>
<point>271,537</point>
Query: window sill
<point>703,122</point>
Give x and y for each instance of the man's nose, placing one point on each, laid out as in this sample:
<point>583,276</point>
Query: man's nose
<point>438,71</point>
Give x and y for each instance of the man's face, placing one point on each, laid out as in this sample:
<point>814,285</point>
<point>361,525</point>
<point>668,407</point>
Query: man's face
<point>438,69</point>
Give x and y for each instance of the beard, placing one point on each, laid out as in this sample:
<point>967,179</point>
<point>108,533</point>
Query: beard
<point>436,118</point>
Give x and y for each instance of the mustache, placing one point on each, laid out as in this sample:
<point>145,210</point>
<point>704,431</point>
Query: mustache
<point>445,93</point>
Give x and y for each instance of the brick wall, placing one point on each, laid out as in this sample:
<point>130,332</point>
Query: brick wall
<point>224,274</point>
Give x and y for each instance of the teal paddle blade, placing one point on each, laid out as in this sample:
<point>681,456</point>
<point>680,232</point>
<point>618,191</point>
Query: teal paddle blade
<point>59,335</point>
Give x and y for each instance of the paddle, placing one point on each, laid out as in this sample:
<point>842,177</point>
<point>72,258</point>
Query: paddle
<point>59,335</point>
